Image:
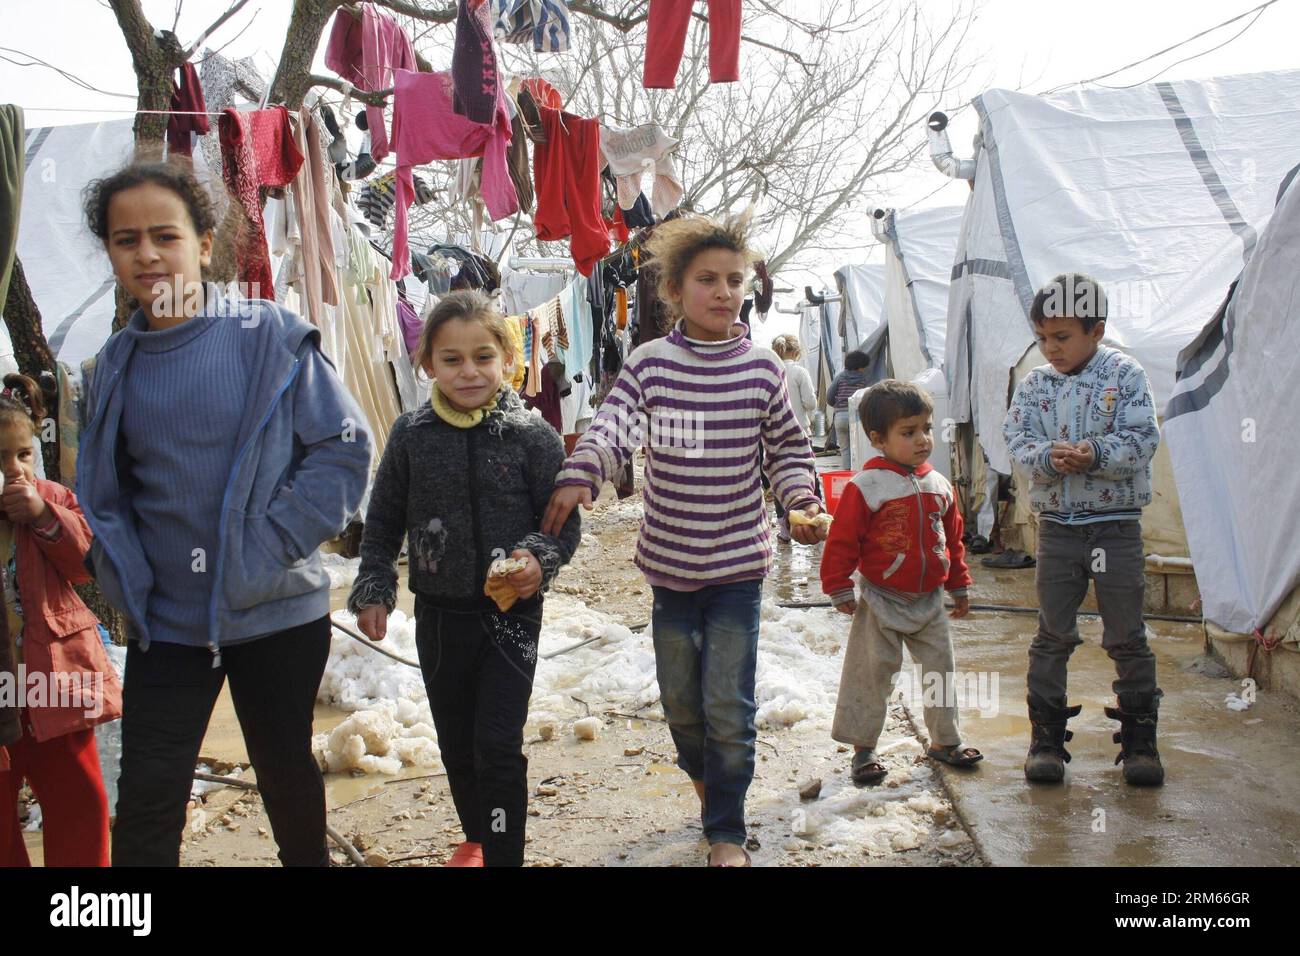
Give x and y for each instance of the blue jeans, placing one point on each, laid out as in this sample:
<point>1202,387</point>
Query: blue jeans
<point>706,651</point>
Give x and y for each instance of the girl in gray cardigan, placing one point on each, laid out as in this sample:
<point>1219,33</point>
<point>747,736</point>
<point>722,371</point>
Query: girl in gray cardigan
<point>466,480</point>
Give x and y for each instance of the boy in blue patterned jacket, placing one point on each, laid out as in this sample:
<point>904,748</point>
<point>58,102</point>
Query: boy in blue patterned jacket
<point>1083,428</point>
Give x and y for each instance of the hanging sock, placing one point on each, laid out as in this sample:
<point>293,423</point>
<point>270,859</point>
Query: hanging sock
<point>474,63</point>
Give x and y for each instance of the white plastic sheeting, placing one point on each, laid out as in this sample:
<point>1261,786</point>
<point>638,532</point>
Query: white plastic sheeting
<point>1158,191</point>
<point>921,247</point>
<point>66,266</point>
<point>823,350</point>
<point>862,311</point>
<point>1230,427</point>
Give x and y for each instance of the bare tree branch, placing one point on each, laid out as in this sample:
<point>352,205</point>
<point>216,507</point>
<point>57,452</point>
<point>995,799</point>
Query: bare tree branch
<point>216,25</point>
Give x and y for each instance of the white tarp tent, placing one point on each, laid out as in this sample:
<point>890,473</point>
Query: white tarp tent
<point>1229,425</point>
<point>862,307</point>
<point>1158,191</point>
<point>823,350</point>
<point>921,247</point>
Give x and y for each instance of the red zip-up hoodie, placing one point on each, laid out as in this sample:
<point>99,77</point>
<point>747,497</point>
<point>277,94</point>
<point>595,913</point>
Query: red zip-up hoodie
<point>901,528</point>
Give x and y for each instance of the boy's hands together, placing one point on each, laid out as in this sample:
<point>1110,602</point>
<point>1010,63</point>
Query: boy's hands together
<point>1071,459</point>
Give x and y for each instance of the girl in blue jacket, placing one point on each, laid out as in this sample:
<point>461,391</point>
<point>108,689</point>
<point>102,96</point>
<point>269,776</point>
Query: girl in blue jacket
<point>221,449</point>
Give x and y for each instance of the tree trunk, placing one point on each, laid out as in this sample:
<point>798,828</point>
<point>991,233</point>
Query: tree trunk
<point>23,319</point>
<point>300,43</point>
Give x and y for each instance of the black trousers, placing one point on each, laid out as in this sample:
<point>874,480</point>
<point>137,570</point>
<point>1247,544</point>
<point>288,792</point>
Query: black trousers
<point>478,671</point>
<point>168,697</point>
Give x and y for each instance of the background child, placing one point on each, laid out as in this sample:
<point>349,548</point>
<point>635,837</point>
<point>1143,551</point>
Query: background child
<point>713,402</point>
<point>43,541</point>
<point>221,450</point>
<point>899,525</point>
<point>1084,429</point>
<point>803,399</point>
<point>466,480</point>
<point>853,378</point>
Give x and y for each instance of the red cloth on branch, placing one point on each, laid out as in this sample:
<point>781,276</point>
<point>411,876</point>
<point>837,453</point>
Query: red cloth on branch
<point>365,53</point>
<point>257,149</point>
<point>191,115</point>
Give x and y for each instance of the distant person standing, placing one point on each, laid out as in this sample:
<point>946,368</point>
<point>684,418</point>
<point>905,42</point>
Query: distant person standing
<point>803,400</point>
<point>843,387</point>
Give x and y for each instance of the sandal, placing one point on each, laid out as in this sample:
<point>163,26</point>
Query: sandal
<point>956,755</point>
<point>708,860</point>
<point>979,545</point>
<point>1010,559</point>
<point>868,769</point>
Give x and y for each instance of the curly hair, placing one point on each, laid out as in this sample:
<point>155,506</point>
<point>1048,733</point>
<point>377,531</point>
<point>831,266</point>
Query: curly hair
<point>674,245</point>
<point>172,176</point>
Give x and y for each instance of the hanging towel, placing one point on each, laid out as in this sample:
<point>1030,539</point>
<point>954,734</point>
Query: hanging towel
<point>189,112</point>
<point>425,128</point>
<point>311,203</point>
<point>366,53</point>
<point>257,149</point>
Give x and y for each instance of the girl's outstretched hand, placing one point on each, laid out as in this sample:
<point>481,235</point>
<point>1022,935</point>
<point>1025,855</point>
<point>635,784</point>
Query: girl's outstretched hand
<point>527,581</point>
<point>563,500</point>
<point>373,622</point>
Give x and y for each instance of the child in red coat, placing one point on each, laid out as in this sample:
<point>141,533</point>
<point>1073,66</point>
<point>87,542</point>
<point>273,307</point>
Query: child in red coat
<point>898,525</point>
<point>58,682</point>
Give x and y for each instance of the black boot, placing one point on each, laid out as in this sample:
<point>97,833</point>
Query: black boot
<point>1137,739</point>
<point>1047,754</point>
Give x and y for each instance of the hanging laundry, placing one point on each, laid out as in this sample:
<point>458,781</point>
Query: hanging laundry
<point>631,153</point>
<point>521,173</point>
<point>257,149</point>
<point>514,325</point>
<point>189,112</point>
<point>434,272</point>
<point>666,40</point>
<point>763,297</point>
<point>567,177</point>
<point>366,52</point>
<point>377,197</point>
<point>474,63</point>
<point>545,22</point>
<point>13,163</point>
<point>425,128</point>
<point>545,397</point>
<point>574,306</point>
<point>476,271</point>
<point>310,192</point>
<point>409,322</point>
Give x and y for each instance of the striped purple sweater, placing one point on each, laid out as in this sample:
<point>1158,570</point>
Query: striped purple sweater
<point>704,410</point>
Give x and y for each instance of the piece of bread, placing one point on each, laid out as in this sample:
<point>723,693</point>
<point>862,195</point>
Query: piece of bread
<point>497,587</point>
<point>798,518</point>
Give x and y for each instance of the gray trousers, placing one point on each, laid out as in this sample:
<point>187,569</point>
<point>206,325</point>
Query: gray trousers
<point>874,658</point>
<point>1110,553</point>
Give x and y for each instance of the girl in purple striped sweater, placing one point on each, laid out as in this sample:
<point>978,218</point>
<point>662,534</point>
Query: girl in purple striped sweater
<point>704,401</point>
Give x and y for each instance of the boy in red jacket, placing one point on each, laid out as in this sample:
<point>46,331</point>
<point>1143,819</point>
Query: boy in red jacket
<point>898,525</point>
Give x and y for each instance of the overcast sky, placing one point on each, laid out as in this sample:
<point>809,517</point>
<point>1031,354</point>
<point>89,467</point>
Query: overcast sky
<point>1030,44</point>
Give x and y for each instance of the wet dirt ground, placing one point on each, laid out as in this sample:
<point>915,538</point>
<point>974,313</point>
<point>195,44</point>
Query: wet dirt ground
<point>619,800</point>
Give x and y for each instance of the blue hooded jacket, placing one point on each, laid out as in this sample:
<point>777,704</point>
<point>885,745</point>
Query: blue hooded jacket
<point>300,468</point>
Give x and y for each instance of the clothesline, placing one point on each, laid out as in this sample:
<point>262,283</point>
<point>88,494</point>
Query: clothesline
<point>80,109</point>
